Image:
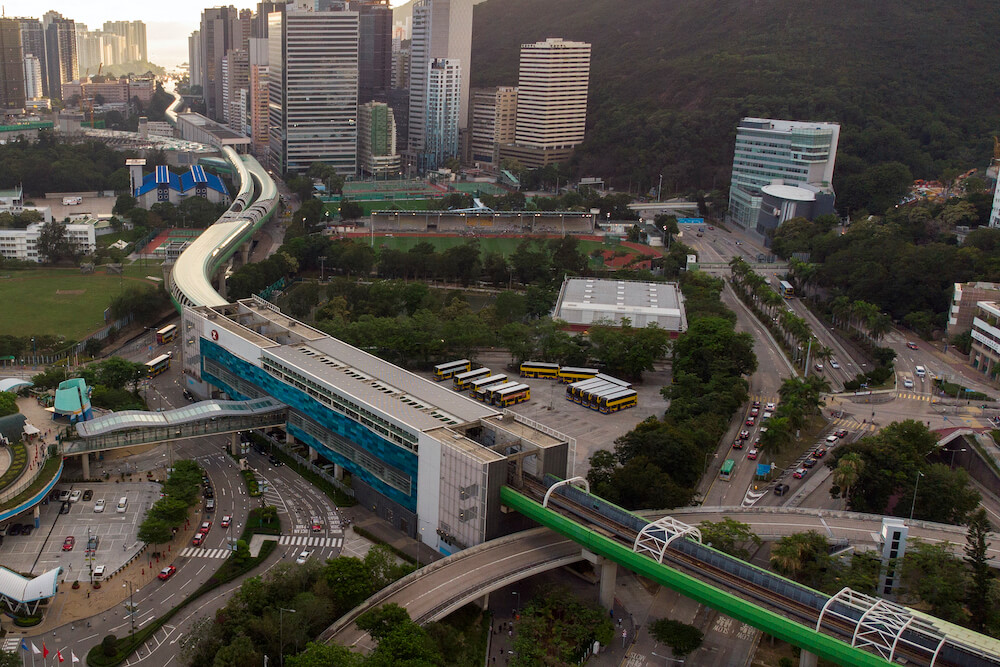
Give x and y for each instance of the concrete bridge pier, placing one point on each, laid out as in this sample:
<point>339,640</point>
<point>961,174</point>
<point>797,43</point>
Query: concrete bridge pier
<point>807,659</point>
<point>85,462</point>
<point>338,472</point>
<point>234,444</point>
<point>313,454</point>
<point>35,514</point>
<point>609,574</point>
<point>221,279</point>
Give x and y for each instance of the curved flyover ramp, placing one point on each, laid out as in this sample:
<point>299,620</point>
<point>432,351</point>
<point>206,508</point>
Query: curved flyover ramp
<point>431,593</point>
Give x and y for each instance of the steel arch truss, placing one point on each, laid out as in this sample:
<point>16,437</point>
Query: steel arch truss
<point>880,626</point>
<point>580,481</point>
<point>655,537</point>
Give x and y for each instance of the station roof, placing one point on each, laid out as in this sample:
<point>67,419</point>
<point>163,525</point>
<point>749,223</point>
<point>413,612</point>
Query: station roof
<point>21,589</point>
<point>583,301</point>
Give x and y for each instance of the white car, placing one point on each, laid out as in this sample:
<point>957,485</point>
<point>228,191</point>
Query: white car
<point>99,505</point>
<point>908,383</point>
<point>834,364</point>
<point>303,557</point>
<point>75,496</point>
<point>63,496</point>
<point>769,407</point>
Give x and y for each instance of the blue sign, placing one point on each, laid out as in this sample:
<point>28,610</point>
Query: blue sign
<point>690,221</point>
<point>763,469</point>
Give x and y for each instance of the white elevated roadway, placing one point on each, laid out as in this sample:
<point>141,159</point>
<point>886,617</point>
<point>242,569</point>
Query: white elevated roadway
<point>438,589</point>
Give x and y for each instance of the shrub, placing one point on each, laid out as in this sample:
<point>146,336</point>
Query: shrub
<point>680,637</point>
<point>110,645</point>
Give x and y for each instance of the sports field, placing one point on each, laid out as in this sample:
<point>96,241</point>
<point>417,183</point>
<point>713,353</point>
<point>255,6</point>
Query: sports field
<point>57,301</point>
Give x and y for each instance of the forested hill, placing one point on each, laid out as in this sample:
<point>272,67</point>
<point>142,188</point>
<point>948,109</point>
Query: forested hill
<point>913,82</point>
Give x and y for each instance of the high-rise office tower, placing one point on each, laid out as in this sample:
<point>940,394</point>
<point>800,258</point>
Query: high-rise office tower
<point>258,105</point>
<point>400,64</point>
<point>134,34</point>
<point>492,117</point>
<point>195,66</point>
<point>374,49</point>
<point>32,77</point>
<point>552,84</point>
<point>444,89</point>
<point>377,155</point>
<point>792,152</point>
<point>220,30</point>
<point>33,42</point>
<point>236,77</point>
<point>60,52</point>
<point>11,65</point>
<point>441,29</point>
<point>313,97</point>
<point>258,23</point>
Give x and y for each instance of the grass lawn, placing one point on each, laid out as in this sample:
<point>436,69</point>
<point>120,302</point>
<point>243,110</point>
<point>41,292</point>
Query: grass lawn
<point>32,302</point>
<point>504,245</point>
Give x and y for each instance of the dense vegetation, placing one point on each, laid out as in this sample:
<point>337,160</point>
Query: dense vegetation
<point>555,628</point>
<point>670,81</point>
<point>50,165</point>
<point>905,264</point>
<point>180,493</point>
<point>659,462</point>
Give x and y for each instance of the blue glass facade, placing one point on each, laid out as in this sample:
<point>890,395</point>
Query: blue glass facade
<point>337,424</point>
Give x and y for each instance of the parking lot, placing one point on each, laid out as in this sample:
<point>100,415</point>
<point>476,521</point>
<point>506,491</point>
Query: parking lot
<point>43,549</point>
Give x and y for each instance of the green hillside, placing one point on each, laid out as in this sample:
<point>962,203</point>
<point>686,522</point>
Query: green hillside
<point>915,83</point>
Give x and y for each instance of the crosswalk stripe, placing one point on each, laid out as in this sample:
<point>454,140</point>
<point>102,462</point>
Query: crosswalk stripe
<point>299,541</point>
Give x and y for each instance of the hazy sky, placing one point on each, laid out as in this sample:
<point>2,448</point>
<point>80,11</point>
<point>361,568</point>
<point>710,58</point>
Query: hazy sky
<point>168,23</point>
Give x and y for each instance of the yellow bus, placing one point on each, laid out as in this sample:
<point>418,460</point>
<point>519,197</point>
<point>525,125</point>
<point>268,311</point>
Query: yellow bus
<point>519,393</point>
<point>486,393</point>
<point>481,383</point>
<point>464,380</point>
<point>451,369</point>
<point>568,374</point>
<point>166,334</point>
<point>156,366</point>
<point>539,369</point>
<point>620,400</point>
<point>575,391</point>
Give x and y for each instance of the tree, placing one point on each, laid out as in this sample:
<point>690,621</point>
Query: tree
<point>977,558</point>
<point>682,638</point>
<point>347,579</point>
<point>53,244</point>
<point>729,536</point>
<point>380,621</point>
<point>155,531</point>
<point>350,210</point>
<point>124,203</point>
<point>846,474</point>
<point>934,576</point>
<point>8,403</point>
<point>805,557</point>
<point>324,655</point>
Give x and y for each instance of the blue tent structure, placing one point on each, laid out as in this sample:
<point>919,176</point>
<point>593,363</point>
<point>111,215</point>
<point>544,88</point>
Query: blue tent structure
<point>73,400</point>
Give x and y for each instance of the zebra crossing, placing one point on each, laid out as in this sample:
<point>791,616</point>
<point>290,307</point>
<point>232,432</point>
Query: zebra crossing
<point>854,425</point>
<point>914,396</point>
<point>306,541</point>
<point>198,552</point>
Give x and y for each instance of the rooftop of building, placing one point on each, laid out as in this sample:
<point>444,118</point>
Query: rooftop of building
<point>458,440</point>
<point>583,301</point>
<point>220,132</point>
<point>789,192</point>
<point>786,125</point>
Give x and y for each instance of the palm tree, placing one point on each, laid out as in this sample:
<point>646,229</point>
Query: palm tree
<point>847,472</point>
<point>879,326</point>
<point>841,310</point>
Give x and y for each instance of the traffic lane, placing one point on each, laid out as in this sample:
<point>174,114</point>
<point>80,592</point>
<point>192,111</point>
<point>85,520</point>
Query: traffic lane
<point>771,367</point>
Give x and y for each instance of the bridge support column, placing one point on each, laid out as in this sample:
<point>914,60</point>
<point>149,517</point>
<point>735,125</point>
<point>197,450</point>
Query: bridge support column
<point>609,574</point>
<point>289,438</point>
<point>338,472</point>
<point>313,454</point>
<point>85,462</point>
<point>35,513</point>
<point>807,659</point>
<point>234,444</point>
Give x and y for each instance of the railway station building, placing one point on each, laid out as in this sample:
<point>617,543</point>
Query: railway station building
<point>423,457</point>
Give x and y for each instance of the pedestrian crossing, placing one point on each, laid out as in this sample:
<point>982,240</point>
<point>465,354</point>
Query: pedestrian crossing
<point>198,552</point>
<point>913,396</point>
<point>305,541</point>
<point>854,425</point>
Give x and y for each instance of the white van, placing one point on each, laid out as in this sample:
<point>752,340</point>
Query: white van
<point>122,505</point>
<point>98,573</point>
<point>920,371</point>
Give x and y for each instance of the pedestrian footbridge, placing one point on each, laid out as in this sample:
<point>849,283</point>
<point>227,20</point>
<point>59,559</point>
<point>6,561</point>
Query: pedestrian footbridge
<point>136,427</point>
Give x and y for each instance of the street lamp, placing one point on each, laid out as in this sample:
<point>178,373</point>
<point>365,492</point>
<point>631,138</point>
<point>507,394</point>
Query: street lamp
<point>281,633</point>
<point>517,605</point>
<point>915,485</point>
<point>131,607</point>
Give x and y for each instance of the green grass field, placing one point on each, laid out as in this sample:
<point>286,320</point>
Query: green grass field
<point>504,245</point>
<point>33,304</point>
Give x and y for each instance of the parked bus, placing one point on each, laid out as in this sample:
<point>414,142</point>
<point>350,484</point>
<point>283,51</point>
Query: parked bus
<point>608,378</point>
<point>158,365</point>
<point>620,400</point>
<point>591,398</point>
<point>785,289</point>
<point>727,470</point>
<point>485,394</point>
<point>519,393</point>
<point>476,385</point>
<point>166,334</point>
<point>463,380</point>
<point>451,369</point>
<point>539,369</point>
<point>568,374</point>
<point>575,390</point>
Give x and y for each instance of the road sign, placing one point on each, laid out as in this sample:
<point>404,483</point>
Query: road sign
<point>690,221</point>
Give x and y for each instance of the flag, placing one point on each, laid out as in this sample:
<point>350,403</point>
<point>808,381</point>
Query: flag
<point>45,651</point>
<point>73,655</point>
<point>59,655</point>
<point>34,649</point>
<point>24,645</point>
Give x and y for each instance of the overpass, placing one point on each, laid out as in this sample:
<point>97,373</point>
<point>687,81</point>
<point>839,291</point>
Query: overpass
<point>664,207</point>
<point>137,427</point>
<point>847,628</point>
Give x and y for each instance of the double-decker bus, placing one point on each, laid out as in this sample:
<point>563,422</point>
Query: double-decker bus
<point>464,380</point>
<point>451,369</point>
<point>482,383</point>
<point>568,374</point>
<point>158,365</point>
<point>785,289</point>
<point>166,334</point>
<point>512,395</point>
<point>539,369</point>
<point>727,470</point>
<point>486,393</point>
<point>619,400</point>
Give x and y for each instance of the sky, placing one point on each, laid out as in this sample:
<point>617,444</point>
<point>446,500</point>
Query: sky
<point>168,23</point>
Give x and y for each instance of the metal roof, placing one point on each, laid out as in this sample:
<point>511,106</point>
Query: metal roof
<point>128,419</point>
<point>584,301</point>
<point>13,384</point>
<point>20,589</point>
<point>191,270</point>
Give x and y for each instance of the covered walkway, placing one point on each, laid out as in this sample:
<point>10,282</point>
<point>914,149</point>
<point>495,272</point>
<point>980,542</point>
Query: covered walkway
<point>22,595</point>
